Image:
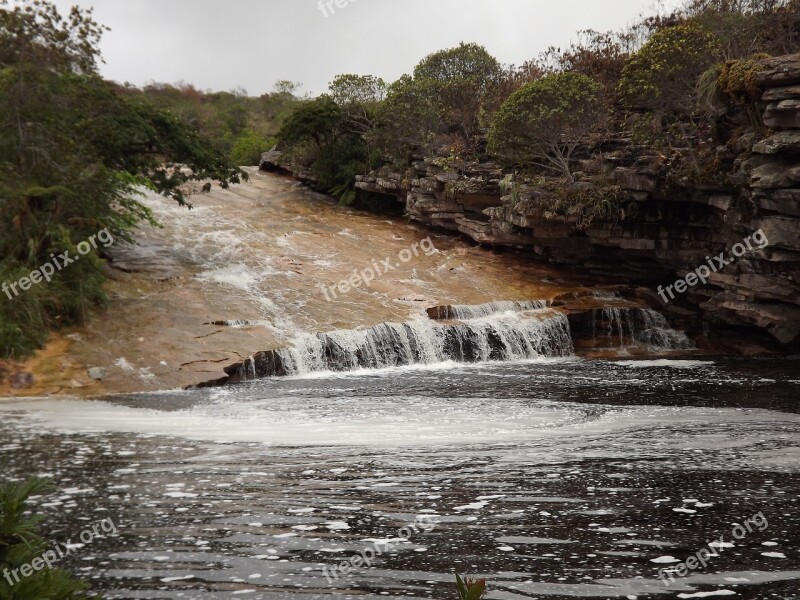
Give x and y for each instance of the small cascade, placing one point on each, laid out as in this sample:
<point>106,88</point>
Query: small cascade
<point>497,331</point>
<point>463,312</point>
<point>623,325</point>
<point>503,336</point>
<point>500,337</point>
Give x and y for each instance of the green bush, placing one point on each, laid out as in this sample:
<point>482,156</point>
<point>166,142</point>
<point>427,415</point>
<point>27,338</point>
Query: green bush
<point>662,76</point>
<point>461,78</point>
<point>542,123</point>
<point>248,148</point>
<point>738,80</point>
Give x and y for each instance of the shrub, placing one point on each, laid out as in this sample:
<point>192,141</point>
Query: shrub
<point>738,80</point>
<point>248,148</point>
<point>408,120</point>
<point>543,123</point>
<point>460,77</point>
<point>662,75</point>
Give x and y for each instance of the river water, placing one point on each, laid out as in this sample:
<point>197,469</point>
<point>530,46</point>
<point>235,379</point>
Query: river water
<point>552,478</point>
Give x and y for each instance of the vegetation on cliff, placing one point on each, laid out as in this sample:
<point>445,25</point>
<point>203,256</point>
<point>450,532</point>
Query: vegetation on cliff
<point>542,123</point>
<point>653,82</point>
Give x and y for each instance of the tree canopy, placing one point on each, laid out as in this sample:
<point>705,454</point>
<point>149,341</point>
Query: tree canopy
<point>75,151</point>
<point>543,122</point>
<point>663,74</point>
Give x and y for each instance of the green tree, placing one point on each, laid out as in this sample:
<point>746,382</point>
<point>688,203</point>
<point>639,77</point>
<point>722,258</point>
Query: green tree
<point>662,76</point>
<point>316,121</point>
<point>542,123</point>
<point>358,96</point>
<point>317,134</point>
<point>461,78</point>
<point>74,153</point>
<point>248,148</point>
<point>408,119</point>
<point>361,90</point>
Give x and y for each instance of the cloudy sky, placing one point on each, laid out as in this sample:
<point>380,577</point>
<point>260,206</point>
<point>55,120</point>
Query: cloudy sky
<point>222,44</point>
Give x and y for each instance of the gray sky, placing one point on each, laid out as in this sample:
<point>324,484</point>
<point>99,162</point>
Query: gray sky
<point>221,44</point>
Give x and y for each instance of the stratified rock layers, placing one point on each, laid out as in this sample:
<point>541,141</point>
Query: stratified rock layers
<point>668,225</point>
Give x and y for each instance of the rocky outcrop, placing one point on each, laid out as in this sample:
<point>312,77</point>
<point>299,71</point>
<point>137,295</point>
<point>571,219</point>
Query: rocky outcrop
<point>643,217</point>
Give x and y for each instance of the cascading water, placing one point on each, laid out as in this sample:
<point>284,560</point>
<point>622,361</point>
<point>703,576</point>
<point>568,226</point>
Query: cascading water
<point>497,331</point>
<point>462,312</point>
<point>501,336</point>
<point>624,324</point>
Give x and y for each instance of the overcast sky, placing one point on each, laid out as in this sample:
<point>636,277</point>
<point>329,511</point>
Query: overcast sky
<point>222,44</point>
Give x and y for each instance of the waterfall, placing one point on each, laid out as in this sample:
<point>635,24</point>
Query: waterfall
<point>504,336</point>
<point>500,336</point>
<point>462,312</point>
<point>622,325</point>
<point>498,331</point>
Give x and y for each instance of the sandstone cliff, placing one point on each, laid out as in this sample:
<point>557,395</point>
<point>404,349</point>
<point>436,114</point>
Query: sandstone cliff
<point>652,216</point>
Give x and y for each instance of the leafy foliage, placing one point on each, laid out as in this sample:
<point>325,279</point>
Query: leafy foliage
<point>738,80</point>
<point>20,543</point>
<point>461,78</point>
<point>248,148</point>
<point>74,152</point>
<point>598,55</point>
<point>408,119</point>
<point>316,120</point>
<point>662,75</point>
<point>542,123</point>
<point>362,90</point>
<point>470,589</point>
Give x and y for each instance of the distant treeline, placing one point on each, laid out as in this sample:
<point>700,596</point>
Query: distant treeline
<point>240,126</point>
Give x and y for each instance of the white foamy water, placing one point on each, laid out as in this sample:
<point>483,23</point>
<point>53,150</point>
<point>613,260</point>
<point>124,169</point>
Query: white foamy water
<point>573,478</point>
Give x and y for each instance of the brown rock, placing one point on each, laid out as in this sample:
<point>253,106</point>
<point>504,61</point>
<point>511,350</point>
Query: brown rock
<point>783,115</point>
<point>780,71</point>
<point>781,142</point>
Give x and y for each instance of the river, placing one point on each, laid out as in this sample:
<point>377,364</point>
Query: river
<point>563,475</point>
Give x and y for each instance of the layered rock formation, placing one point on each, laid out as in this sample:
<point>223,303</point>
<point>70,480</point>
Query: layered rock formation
<point>644,217</point>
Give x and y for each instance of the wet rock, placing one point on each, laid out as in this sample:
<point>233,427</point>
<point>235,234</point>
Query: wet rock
<point>96,373</point>
<point>776,174</point>
<point>271,161</point>
<point>782,93</point>
<point>21,381</point>
<point>780,71</point>
<point>632,179</point>
<point>785,201</point>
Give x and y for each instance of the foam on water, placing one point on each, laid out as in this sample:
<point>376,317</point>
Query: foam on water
<point>665,362</point>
